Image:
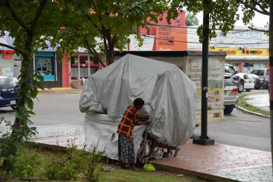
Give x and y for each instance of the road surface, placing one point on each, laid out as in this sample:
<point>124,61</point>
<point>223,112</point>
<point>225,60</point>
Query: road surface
<point>57,113</point>
<point>240,129</point>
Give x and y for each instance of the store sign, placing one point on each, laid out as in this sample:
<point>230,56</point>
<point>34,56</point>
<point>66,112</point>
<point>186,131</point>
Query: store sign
<point>229,51</point>
<point>6,51</point>
<point>247,51</point>
<point>6,56</point>
<point>171,38</point>
<point>241,51</point>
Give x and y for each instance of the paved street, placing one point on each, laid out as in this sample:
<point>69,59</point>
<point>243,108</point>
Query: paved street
<point>57,114</point>
<point>240,129</point>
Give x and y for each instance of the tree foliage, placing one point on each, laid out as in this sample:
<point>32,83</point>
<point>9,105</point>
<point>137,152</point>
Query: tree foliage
<point>224,13</point>
<point>98,26</point>
<point>191,20</point>
<point>250,7</point>
<point>31,24</point>
<point>102,26</point>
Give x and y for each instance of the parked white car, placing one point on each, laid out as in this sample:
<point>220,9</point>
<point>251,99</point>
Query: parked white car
<point>248,81</point>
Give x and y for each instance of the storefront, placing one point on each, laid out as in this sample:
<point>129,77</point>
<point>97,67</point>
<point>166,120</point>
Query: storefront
<point>82,66</point>
<point>245,59</point>
<point>69,72</point>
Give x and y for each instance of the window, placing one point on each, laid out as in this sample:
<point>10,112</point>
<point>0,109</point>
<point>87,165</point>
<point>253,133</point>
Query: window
<point>246,77</point>
<point>258,72</point>
<point>45,65</point>
<point>229,69</point>
<point>267,72</point>
<point>229,82</point>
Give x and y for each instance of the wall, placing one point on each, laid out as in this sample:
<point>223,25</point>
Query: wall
<point>65,72</point>
<point>192,66</point>
<point>215,85</point>
<point>7,59</point>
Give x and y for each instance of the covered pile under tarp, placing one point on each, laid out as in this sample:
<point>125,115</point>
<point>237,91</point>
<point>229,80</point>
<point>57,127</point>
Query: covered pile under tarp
<point>168,93</point>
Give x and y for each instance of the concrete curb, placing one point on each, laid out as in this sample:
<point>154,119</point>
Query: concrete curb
<point>250,112</point>
<point>57,88</point>
<point>54,148</point>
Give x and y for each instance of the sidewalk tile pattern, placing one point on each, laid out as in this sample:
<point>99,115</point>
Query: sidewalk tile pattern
<point>225,161</point>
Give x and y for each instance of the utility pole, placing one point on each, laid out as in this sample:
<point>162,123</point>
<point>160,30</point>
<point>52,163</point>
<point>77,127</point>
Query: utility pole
<point>204,139</point>
<point>271,73</point>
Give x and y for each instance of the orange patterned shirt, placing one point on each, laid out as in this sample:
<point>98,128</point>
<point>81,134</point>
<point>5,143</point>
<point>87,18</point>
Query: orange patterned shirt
<point>127,124</point>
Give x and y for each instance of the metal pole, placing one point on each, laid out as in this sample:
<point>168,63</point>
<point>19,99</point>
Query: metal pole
<point>271,73</point>
<point>205,56</point>
<point>204,139</point>
<point>88,67</point>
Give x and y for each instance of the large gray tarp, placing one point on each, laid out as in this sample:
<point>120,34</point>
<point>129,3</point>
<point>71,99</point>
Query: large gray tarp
<point>168,93</point>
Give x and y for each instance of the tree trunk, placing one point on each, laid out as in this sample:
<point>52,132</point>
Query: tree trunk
<point>110,47</point>
<point>20,128</point>
<point>25,79</point>
<point>271,72</point>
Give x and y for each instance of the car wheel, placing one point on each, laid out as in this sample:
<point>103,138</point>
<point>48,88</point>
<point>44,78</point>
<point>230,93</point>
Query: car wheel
<point>228,109</point>
<point>240,87</point>
<point>248,90</point>
<point>266,85</point>
<point>257,86</point>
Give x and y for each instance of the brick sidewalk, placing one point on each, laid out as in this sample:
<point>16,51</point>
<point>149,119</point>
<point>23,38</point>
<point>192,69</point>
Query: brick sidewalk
<point>218,162</point>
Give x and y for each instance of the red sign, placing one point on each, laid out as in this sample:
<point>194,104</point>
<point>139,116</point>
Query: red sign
<point>6,56</point>
<point>7,51</point>
<point>171,38</point>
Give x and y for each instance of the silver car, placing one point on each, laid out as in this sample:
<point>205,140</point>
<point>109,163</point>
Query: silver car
<point>264,73</point>
<point>230,95</point>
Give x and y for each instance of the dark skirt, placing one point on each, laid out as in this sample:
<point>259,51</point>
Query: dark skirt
<point>126,152</point>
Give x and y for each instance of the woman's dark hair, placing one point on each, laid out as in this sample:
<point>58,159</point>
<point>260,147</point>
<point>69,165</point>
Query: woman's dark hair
<point>139,102</point>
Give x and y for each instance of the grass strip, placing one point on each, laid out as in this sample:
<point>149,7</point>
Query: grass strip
<point>243,103</point>
<point>117,174</point>
<point>141,176</point>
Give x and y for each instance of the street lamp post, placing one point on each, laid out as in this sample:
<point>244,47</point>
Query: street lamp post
<point>271,73</point>
<point>204,139</point>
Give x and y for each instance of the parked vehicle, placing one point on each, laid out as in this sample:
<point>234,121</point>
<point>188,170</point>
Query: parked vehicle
<point>239,82</point>
<point>230,70</point>
<point>248,82</point>
<point>230,95</point>
<point>8,92</point>
<point>264,73</point>
<point>259,81</point>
